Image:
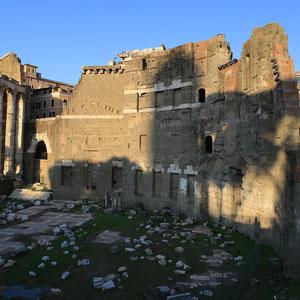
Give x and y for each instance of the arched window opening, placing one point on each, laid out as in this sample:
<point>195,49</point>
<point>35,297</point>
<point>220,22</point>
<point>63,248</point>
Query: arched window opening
<point>208,144</point>
<point>41,151</point>
<point>201,95</point>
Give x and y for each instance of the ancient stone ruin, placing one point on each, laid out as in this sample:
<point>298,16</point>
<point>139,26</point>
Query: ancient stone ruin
<point>189,128</point>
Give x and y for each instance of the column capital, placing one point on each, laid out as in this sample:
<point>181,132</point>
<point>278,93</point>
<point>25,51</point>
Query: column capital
<point>13,93</point>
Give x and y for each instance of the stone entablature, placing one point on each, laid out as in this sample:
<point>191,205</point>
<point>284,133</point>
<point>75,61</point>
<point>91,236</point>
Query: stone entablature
<point>113,69</point>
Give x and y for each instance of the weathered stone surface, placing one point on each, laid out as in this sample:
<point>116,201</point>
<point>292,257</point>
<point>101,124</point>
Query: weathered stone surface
<point>83,262</point>
<point>122,269</point>
<point>25,194</point>
<point>65,275</point>
<point>108,285</point>
<point>179,250</point>
<point>108,237</point>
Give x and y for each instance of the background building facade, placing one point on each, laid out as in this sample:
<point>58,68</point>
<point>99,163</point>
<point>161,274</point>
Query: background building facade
<point>32,78</point>
<point>48,102</point>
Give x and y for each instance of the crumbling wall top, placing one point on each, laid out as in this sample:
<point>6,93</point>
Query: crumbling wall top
<point>10,65</point>
<point>10,54</point>
<point>139,52</point>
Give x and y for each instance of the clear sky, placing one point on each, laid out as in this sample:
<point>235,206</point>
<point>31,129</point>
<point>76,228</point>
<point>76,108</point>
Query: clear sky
<point>62,36</point>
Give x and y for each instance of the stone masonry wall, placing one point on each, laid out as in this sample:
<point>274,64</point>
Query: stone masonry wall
<point>10,65</point>
<point>187,128</point>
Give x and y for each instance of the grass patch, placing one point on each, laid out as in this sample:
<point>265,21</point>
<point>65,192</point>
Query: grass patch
<point>143,273</point>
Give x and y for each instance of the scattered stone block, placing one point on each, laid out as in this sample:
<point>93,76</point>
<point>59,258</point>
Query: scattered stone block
<point>9,264</point>
<point>179,272</point>
<point>179,250</point>
<point>109,237</point>
<point>55,291</point>
<point>70,205</point>
<point>164,289</point>
<point>65,275</point>
<point>64,244</point>
<point>56,230</point>
<point>122,269</point>
<point>41,266</point>
<point>20,206</point>
<point>207,293</point>
<point>130,250</point>
<point>133,258</point>
<point>108,285</point>
<point>83,262</point>
<point>11,217</point>
<point>24,218</point>
<point>185,296</point>
<point>98,282</point>
<point>31,273</point>
<point>148,251</point>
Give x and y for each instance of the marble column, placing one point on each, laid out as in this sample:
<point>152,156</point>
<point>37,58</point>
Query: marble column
<point>10,134</point>
<point>19,136</point>
<point>2,120</point>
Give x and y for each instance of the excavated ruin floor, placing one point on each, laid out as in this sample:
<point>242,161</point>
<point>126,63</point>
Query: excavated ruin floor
<point>81,250</point>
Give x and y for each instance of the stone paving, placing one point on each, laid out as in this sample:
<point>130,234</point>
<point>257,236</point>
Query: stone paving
<point>32,211</point>
<point>42,221</point>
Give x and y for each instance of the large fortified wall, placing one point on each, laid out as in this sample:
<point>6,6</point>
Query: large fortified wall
<point>188,128</point>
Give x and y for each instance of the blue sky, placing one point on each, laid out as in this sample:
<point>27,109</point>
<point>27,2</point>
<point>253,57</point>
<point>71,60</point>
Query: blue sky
<point>62,36</point>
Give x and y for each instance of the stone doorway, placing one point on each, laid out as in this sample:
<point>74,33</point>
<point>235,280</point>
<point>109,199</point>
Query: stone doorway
<point>40,156</point>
